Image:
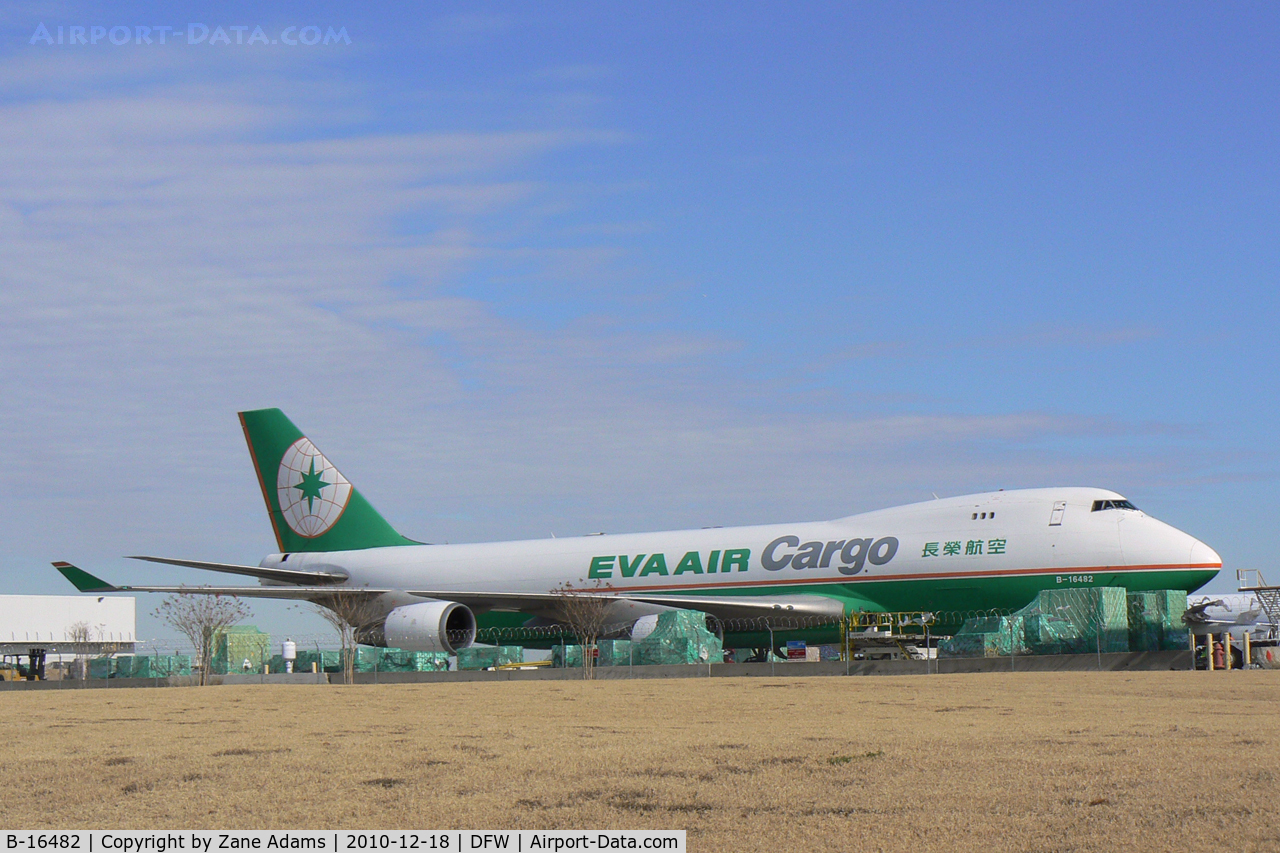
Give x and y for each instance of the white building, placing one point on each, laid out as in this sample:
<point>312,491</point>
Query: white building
<point>50,622</point>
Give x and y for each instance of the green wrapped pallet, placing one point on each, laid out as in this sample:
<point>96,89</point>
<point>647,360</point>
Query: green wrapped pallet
<point>1077,621</point>
<point>1146,621</point>
<point>239,643</point>
<point>485,657</point>
<point>163,666</point>
<point>122,666</point>
<point>429,661</point>
<point>613,653</point>
<point>1048,634</point>
<point>680,636</point>
<point>1173,631</point>
<point>566,656</point>
<point>1100,614</point>
<point>986,636</point>
<point>368,658</point>
<point>326,660</point>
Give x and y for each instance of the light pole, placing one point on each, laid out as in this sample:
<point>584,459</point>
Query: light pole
<point>771,654</point>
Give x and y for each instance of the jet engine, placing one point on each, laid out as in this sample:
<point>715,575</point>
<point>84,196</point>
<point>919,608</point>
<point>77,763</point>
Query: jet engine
<point>429,626</point>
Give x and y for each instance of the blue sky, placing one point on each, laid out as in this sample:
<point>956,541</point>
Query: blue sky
<point>528,269</point>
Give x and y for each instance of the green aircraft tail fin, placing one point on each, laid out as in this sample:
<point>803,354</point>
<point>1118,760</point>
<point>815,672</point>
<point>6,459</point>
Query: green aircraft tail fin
<point>82,580</point>
<point>311,505</point>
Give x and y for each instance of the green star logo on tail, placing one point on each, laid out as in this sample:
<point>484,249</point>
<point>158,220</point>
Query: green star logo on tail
<point>312,494</point>
<point>311,485</point>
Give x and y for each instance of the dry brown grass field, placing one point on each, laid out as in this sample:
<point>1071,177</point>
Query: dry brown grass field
<point>1026,762</point>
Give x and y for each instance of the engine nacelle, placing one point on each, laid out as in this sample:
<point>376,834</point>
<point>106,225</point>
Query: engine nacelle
<point>430,626</point>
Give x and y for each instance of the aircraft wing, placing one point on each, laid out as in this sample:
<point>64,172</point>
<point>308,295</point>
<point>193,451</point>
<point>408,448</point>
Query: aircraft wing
<point>722,607</point>
<point>86,582</point>
<point>295,576</point>
<point>1196,614</point>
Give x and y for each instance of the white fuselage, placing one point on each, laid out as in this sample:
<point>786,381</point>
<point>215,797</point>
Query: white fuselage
<point>968,545</point>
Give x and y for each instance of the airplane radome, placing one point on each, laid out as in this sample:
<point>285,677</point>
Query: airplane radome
<point>991,550</point>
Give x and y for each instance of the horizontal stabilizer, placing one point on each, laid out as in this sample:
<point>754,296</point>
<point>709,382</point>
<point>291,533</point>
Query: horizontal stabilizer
<point>82,580</point>
<point>300,576</point>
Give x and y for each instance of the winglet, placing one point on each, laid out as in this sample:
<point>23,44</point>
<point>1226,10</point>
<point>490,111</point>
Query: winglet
<point>82,580</point>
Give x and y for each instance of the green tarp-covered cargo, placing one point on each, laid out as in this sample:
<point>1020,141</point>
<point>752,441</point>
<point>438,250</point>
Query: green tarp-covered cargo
<point>484,657</point>
<point>985,636</point>
<point>1077,621</point>
<point>235,645</point>
<point>681,636</point>
<point>140,666</point>
<point>368,659</point>
<point>152,666</point>
<point>1097,619</point>
<point>608,653</point>
<point>613,653</point>
<point>325,660</point>
<point>395,660</point>
<point>1155,620</point>
<point>566,655</point>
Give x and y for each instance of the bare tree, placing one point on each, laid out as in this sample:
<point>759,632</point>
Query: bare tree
<point>81,636</point>
<point>107,649</point>
<point>583,610</point>
<point>200,618</point>
<point>351,613</point>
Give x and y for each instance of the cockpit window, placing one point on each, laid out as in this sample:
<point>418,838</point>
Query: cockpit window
<point>1098,506</point>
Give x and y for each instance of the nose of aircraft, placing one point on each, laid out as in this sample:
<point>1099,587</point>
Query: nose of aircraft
<point>1203,555</point>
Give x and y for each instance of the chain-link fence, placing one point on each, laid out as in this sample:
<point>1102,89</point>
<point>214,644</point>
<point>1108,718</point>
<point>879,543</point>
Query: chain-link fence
<point>1085,620</point>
